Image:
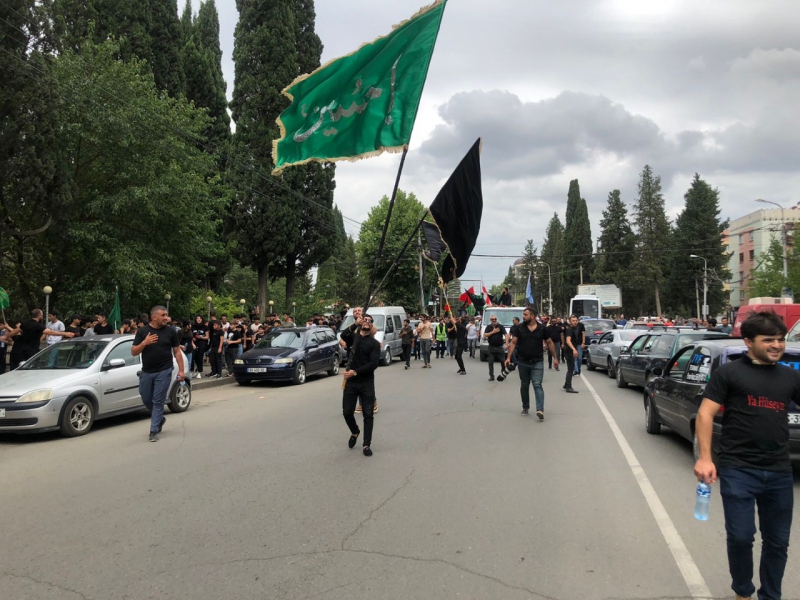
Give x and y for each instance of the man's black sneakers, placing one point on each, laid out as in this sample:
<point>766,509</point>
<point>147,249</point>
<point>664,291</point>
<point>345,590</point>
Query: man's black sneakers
<point>161,425</point>
<point>367,451</point>
<point>153,437</point>
<point>352,441</point>
<point>570,391</point>
<point>491,378</point>
<point>524,412</point>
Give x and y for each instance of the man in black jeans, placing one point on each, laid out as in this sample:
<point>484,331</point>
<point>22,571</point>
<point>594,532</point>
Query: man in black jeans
<point>495,334</point>
<point>754,463</point>
<point>359,381</point>
<point>572,341</point>
<point>406,338</point>
<point>555,331</point>
<point>461,343</point>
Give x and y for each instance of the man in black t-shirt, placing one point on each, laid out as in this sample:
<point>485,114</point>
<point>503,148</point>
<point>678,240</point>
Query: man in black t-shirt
<point>581,346</point>
<point>528,340</point>
<point>29,337</point>
<point>359,383</point>
<point>555,332</point>
<point>157,343</point>
<point>571,343</point>
<point>754,463</point>
<point>495,334</point>
<point>103,327</point>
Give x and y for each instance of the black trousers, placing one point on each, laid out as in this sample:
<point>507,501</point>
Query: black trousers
<point>3,364</point>
<point>441,348</point>
<point>197,360</point>
<point>231,352</point>
<point>459,360</point>
<point>570,367</point>
<point>215,358</point>
<point>353,392</point>
<point>407,354</point>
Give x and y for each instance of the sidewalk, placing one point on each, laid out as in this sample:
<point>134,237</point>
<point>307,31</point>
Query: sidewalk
<point>211,382</point>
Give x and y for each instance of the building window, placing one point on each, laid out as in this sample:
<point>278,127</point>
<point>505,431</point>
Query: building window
<point>751,236</point>
<point>741,257</point>
<point>741,276</point>
<point>752,254</point>
<point>741,295</point>
<point>741,238</point>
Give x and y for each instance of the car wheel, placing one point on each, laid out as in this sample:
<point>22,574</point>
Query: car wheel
<point>334,370</point>
<point>651,420</point>
<point>590,364</point>
<point>299,374</point>
<point>77,418</point>
<point>180,398</point>
<point>387,357</point>
<point>610,368</point>
<point>621,383</point>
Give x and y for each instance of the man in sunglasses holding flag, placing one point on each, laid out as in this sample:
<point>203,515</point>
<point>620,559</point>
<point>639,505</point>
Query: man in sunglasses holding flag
<point>359,383</point>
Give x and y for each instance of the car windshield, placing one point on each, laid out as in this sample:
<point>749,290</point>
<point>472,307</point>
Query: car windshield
<point>66,355</point>
<point>504,317</point>
<point>378,321</point>
<point>598,326</point>
<point>794,333</point>
<point>688,338</point>
<point>628,335</point>
<point>282,339</point>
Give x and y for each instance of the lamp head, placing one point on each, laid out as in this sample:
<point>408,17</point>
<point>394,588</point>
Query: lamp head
<point>47,290</point>
<point>209,299</point>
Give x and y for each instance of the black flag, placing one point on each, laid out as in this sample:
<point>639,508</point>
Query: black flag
<point>457,212</point>
<point>436,246</point>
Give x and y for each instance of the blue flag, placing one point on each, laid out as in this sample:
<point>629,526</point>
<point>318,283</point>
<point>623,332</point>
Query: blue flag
<point>528,293</point>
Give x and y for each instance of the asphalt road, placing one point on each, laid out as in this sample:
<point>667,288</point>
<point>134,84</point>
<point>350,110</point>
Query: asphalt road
<point>253,493</point>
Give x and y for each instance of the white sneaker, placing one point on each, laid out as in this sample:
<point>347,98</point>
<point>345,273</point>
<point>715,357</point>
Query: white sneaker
<point>198,375</point>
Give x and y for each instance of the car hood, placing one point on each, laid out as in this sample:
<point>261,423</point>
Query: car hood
<point>16,383</point>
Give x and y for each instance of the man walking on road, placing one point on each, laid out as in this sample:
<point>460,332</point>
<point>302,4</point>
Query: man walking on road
<point>581,346</point>
<point>572,341</point>
<point>754,464</point>
<point>495,334</point>
<point>406,338</point>
<point>555,332</point>
<point>529,339</point>
<point>157,343</point>
<point>425,332</point>
<point>360,384</point>
<point>461,343</point>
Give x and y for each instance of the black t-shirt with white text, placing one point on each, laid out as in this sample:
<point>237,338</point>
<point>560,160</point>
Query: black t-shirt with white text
<point>755,425</point>
<point>157,357</point>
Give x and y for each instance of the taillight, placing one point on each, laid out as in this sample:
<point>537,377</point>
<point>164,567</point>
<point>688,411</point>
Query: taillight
<point>598,332</point>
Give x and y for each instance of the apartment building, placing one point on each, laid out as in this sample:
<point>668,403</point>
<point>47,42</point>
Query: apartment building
<point>748,238</point>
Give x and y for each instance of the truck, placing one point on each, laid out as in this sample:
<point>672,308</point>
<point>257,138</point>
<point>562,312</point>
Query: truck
<point>783,307</point>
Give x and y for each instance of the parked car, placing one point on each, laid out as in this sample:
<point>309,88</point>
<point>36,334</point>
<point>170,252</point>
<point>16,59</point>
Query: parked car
<point>604,352</point>
<point>636,366</point>
<point>388,320</point>
<point>291,354</point>
<point>790,313</point>
<point>505,316</point>
<point>71,384</point>
<point>644,325</point>
<point>674,393</point>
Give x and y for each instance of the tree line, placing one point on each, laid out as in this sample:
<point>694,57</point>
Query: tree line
<point>639,250</point>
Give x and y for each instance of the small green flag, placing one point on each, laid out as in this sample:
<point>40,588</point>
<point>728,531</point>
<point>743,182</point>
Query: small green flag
<point>362,104</point>
<point>115,317</point>
<point>5,301</point>
<point>471,309</point>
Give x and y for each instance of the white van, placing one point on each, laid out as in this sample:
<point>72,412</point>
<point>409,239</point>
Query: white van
<point>388,322</point>
<point>505,316</point>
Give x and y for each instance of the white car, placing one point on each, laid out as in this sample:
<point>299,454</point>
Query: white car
<point>71,384</point>
<point>604,352</point>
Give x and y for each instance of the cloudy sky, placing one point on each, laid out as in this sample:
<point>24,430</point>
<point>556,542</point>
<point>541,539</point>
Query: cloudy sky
<point>586,89</point>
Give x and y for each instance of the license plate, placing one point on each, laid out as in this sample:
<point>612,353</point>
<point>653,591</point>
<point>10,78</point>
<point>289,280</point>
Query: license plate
<point>257,370</point>
<point>794,418</point>
<point>2,413</point>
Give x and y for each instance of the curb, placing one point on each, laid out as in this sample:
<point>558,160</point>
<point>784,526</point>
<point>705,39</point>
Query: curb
<point>202,384</point>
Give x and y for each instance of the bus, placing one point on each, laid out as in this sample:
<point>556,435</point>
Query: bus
<point>585,307</point>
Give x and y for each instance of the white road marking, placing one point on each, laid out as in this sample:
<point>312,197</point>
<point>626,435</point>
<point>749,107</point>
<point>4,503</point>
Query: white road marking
<point>691,574</point>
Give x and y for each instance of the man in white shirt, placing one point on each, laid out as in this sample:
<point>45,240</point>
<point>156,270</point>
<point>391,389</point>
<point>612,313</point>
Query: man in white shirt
<point>472,337</point>
<point>54,325</point>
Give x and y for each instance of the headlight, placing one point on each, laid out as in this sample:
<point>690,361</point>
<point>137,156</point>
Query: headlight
<point>238,361</point>
<point>284,361</point>
<point>36,396</point>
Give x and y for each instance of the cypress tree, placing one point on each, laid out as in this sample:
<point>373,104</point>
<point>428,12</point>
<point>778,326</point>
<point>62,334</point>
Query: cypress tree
<point>129,22</point>
<point>187,22</point>
<point>553,255</point>
<point>617,246</point>
<point>653,235</point>
<point>71,22</point>
<point>577,240</point>
<point>165,46</point>
<point>266,61</point>
<point>698,230</point>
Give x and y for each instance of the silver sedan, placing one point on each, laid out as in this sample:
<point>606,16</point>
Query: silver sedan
<point>71,384</point>
<point>604,352</point>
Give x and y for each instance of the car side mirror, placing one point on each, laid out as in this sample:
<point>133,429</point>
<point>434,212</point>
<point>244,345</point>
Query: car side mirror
<point>658,371</point>
<point>116,363</point>
<point>593,342</point>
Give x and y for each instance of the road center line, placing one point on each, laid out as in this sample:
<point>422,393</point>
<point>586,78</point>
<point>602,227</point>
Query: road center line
<point>691,574</point>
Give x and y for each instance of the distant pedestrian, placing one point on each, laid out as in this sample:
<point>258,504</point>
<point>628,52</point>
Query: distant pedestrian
<point>505,298</point>
<point>452,336</point>
<point>528,341</point>
<point>29,334</point>
<point>360,384</point>
<point>755,466</point>
<point>472,337</point>
<point>216,349</point>
<point>54,325</point>
<point>157,343</point>
<point>495,335</point>
<point>407,339</point>
<point>461,344</point>
<point>441,339</point>
<point>581,347</point>
<point>725,327</point>
<point>103,327</point>
<point>200,337</point>
<point>555,332</point>
<point>572,341</point>
<point>425,332</point>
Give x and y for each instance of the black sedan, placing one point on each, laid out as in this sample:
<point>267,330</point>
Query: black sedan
<point>290,354</point>
<point>674,394</point>
<point>636,365</point>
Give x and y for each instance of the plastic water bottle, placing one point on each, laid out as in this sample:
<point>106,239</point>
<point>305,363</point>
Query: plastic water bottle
<point>703,499</point>
<point>182,382</point>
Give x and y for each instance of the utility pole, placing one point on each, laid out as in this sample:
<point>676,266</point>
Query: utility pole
<point>705,285</point>
<point>421,277</point>
<point>581,274</point>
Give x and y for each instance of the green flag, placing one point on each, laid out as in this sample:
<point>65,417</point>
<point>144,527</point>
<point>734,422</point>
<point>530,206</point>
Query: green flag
<point>115,316</point>
<point>5,301</point>
<point>362,104</point>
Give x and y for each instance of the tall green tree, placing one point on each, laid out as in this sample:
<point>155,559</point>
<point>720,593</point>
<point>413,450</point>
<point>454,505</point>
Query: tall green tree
<point>72,22</point>
<point>187,22</point>
<point>767,278</point>
<point>653,237</point>
<point>699,231</point>
<point>265,57</point>
<point>578,251</point>
<point>553,255</point>
<point>617,247</point>
<point>129,22</point>
<point>209,89</point>
<point>402,287</point>
<point>165,46</point>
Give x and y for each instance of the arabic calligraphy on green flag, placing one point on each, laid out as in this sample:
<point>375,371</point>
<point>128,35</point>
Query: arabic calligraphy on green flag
<point>362,104</point>
<point>115,316</point>
<point>5,301</point>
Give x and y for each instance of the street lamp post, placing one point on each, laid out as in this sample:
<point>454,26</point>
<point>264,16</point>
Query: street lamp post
<point>294,305</point>
<point>47,291</point>
<point>242,301</point>
<point>783,235</point>
<point>167,297</point>
<point>705,286</point>
<point>209,299</point>
<point>549,286</point>
<point>271,304</point>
